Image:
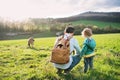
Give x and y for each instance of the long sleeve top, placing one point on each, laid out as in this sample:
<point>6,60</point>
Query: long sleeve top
<point>88,47</point>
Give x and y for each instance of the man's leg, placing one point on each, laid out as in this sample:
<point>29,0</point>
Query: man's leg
<point>76,60</point>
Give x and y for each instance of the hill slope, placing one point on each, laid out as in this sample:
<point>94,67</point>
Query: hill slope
<point>99,16</point>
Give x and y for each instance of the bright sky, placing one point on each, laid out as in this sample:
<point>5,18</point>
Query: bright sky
<point>20,9</point>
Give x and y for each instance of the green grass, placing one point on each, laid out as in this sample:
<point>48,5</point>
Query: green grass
<point>18,62</point>
<point>97,23</point>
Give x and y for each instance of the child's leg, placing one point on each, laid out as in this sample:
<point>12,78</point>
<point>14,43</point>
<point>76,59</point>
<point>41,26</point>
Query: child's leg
<point>91,62</point>
<point>86,62</point>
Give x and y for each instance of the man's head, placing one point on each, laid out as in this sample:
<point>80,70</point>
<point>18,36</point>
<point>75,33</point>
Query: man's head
<point>69,29</point>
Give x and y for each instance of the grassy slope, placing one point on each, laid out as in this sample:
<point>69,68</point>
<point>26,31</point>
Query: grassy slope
<point>18,62</point>
<point>97,23</point>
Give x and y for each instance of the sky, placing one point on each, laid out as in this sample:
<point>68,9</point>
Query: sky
<point>20,9</point>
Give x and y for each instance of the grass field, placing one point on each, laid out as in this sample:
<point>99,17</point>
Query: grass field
<point>18,62</point>
<point>97,23</point>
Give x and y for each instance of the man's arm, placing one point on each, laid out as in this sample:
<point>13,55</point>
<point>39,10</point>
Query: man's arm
<point>77,47</point>
<point>78,51</point>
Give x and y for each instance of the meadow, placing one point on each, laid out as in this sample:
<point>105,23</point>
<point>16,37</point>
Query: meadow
<point>100,24</point>
<point>19,62</point>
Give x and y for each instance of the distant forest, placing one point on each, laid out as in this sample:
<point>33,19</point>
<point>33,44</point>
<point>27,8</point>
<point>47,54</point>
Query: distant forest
<point>36,25</point>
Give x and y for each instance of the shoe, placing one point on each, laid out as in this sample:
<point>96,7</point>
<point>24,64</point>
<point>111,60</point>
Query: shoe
<point>85,71</point>
<point>59,71</point>
<point>66,72</point>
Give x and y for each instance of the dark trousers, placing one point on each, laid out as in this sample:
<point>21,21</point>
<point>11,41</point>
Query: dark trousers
<point>88,62</point>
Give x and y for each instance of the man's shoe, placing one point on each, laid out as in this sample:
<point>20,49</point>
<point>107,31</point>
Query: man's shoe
<point>59,71</point>
<point>66,72</point>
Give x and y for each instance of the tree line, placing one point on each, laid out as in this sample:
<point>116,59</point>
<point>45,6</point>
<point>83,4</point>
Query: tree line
<point>40,25</point>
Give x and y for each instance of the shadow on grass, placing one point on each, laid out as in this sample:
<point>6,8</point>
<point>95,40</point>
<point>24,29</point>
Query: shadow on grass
<point>33,48</point>
<point>91,75</point>
<point>69,76</point>
<point>44,49</point>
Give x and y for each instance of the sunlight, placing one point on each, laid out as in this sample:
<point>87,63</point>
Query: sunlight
<point>21,9</point>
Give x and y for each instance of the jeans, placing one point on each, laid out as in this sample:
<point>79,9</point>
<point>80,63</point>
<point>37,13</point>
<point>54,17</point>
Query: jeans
<point>76,60</point>
<point>88,62</point>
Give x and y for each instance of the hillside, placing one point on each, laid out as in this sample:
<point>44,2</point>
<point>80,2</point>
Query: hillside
<point>99,16</point>
<point>100,24</point>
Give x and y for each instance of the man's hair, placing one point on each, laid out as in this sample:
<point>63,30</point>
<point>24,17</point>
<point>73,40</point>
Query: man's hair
<point>69,29</point>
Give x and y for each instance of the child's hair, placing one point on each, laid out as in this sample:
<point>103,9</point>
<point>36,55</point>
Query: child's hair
<point>87,32</point>
<point>69,29</point>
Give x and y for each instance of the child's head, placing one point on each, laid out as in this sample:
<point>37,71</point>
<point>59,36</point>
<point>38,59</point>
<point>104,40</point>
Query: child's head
<point>87,32</point>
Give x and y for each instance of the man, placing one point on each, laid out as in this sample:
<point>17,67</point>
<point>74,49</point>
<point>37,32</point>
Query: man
<point>74,45</point>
